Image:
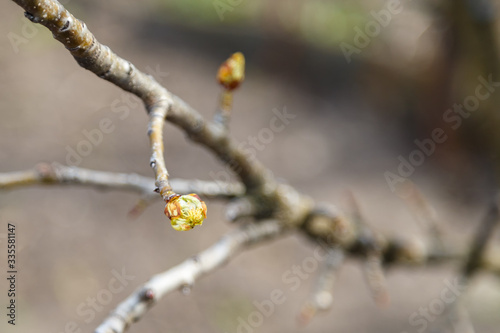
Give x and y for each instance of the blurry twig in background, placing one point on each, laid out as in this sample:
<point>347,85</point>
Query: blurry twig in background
<point>424,213</point>
<point>457,314</point>
<point>372,267</point>
<point>480,241</point>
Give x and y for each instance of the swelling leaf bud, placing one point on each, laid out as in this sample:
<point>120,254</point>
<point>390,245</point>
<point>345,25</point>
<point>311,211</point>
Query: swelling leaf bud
<point>232,71</point>
<point>185,211</point>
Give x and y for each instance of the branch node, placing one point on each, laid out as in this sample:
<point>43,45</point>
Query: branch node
<point>148,295</point>
<point>65,26</point>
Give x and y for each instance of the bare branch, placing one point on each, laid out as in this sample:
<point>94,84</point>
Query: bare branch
<point>321,298</point>
<point>483,235</point>
<point>372,266</point>
<point>424,213</point>
<point>58,174</point>
<point>186,273</point>
<point>333,228</point>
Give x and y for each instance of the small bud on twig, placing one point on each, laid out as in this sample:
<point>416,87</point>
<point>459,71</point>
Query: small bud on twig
<point>230,75</point>
<point>185,211</point>
<point>232,71</point>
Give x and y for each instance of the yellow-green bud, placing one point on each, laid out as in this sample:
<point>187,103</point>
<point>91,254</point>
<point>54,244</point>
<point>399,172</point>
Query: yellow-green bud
<point>232,71</point>
<point>186,211</point>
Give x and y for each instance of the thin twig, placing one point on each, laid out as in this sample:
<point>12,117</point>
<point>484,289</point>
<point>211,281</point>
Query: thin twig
<point>480,241</point>
<point>230,75</point>
<point>424,213</point>
<point>373,255</point>
<point>457,314</point>
<point>99,59</point>
<point>58,174</point>
<point>157,115</point>
<point>321,298</point>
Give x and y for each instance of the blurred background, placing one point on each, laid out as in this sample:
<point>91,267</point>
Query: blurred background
<point>363,80</point>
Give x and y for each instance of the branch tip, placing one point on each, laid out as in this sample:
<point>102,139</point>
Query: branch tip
<point>232,72</point>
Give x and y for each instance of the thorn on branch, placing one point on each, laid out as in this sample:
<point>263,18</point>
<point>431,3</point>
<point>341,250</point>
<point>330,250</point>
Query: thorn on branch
<point>424,213</point>
<point>186,289</point>
<point>370,246</point>
<point>375,279</point>
<point>321,298</point>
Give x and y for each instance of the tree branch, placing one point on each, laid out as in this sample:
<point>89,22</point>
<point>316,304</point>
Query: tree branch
<point>58,174</point>
<point>284,202</point>
<point>99,59</point>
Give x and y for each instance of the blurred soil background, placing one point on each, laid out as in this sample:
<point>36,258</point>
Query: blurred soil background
<point>352,121</point>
